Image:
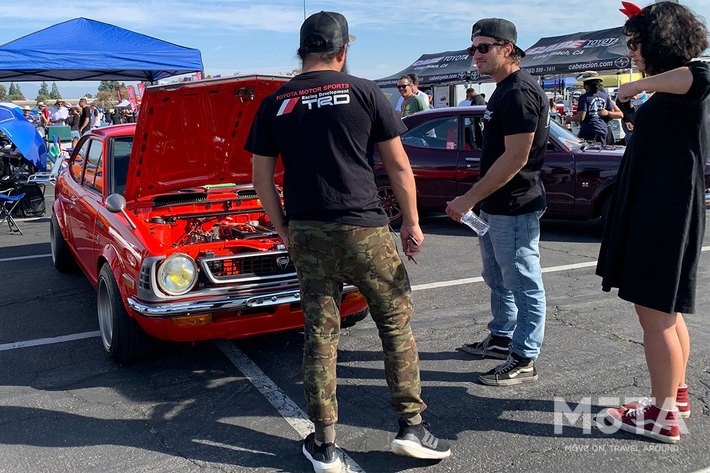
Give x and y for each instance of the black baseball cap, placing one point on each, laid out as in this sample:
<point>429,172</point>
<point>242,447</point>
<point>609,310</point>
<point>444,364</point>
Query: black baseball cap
<point>497,28</point>
<point>324,32</point>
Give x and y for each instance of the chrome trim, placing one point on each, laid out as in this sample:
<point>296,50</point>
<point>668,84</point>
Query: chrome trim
<point>239,302</point>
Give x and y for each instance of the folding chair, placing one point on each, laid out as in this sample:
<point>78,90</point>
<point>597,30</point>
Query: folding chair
<point>7,205</point>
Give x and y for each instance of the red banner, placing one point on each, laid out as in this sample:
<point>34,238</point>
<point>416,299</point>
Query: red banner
<point>141,89</point>
<point>118,95</point>
<point>132,97</point>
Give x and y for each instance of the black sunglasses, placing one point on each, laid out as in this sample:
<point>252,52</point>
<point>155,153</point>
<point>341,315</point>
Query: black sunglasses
<point>482,48</point>
<point>403,86</point>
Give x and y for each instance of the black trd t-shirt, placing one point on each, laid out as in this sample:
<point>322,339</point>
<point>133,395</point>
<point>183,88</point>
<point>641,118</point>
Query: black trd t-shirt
<point>518,105</point>
<point>324,124</point>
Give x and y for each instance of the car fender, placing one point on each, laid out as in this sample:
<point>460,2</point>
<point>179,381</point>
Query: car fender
<point>109,255</point>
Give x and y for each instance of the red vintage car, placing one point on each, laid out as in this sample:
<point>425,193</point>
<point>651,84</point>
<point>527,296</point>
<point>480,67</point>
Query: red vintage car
<point>163,221</point>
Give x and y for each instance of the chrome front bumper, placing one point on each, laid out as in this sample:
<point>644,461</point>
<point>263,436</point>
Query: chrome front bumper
<point>223,303</point>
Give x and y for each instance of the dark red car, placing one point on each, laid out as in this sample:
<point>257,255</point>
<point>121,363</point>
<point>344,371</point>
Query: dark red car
<point>163,220</point>
<point>443,146</point>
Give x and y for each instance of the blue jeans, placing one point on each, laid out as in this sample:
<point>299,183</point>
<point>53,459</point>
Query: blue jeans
<point>511,268</point>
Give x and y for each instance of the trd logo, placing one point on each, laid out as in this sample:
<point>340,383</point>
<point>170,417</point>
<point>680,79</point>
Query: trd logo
<point>339,99</point>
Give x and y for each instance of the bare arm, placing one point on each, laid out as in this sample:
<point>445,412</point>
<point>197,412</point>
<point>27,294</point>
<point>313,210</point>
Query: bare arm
<point>517,149</point>
<point>402,181</point>
<point>263,168</point>
<point>577,117</point>
<point>675,81</point>
<point>616,113</point>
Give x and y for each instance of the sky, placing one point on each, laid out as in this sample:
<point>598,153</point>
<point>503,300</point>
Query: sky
<point>239,36</point>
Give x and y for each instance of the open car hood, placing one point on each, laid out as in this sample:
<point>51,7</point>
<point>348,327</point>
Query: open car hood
<point>192,134</point>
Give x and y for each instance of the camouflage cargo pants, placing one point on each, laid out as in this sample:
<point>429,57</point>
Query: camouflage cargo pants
<point>325,256</point>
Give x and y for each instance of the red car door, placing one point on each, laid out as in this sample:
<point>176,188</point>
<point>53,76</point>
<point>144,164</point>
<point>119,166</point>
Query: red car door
<point>89,197</point>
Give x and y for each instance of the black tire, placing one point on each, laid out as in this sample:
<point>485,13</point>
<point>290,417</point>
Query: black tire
<point>123,339</point>
<point>389,202</point>
<point>62,258</point>
<point>348,322</point>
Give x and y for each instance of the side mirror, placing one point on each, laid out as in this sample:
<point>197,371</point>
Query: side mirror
<point>115,203</point>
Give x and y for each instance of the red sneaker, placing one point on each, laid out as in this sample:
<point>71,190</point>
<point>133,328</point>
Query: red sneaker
<point>682,402</point>
<point>649,421</point>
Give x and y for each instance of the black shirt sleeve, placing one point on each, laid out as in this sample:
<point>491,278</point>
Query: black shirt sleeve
<point>261,139</point>
<point>520,112</point>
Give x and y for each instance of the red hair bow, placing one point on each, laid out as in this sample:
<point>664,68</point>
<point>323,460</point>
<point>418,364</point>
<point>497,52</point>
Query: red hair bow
<point>630,9</point>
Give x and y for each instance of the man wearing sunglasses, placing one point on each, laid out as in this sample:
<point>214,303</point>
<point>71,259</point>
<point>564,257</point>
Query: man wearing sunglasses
<point>411,102</point>
<point>512,200</point>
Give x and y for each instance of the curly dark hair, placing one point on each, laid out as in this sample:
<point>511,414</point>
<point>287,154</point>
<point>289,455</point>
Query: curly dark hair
<point>670,35</point>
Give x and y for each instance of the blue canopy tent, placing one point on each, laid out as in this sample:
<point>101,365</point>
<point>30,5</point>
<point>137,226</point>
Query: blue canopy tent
<point>23,134</point>
<point>84,49</point>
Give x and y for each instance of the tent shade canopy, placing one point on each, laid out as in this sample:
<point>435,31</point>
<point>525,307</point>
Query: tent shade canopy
<point>602,50</point>
<point>439,68</point>
<point>84,49</point>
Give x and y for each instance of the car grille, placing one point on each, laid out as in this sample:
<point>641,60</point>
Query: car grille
<point>273,265</point>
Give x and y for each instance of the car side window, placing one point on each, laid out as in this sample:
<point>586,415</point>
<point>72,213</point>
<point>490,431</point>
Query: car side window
<point>439,133</point>
<point>120,155</point>
<point>93,174</point>
<point>473,132</point>
<point>77,164</point>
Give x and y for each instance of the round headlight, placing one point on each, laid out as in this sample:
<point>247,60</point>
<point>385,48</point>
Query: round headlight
<point>177,274</point>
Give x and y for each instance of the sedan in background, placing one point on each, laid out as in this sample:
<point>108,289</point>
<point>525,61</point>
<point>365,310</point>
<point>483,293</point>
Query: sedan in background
<point>444,149</point>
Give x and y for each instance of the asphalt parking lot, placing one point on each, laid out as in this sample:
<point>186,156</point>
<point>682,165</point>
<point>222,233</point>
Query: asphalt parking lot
<point>238,406</point>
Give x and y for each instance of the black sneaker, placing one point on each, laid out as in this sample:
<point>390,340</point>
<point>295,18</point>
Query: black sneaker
<point>490,347</point>
<point>325,458</point>
<point>516,370</point>
<point>416,441</point>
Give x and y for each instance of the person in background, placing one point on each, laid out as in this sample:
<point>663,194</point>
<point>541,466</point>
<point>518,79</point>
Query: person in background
<point>85,117</point>
<point>414,80</point>
<point>73,121</point>
<point>512,199</point>
<point>59,114</point>
<point>415,87</point>
<point>27,113</point>
<point>411,102</point>
<point>44,122</point>
<point>469,96</point>
<point>331,203</point>
<point>660,192</point>
<point>593,109</point>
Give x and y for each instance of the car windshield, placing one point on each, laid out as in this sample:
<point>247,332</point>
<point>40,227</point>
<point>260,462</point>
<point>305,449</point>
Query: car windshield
<point>564,137</point>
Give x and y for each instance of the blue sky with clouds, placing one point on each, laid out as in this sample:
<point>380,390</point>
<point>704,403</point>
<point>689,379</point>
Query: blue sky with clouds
<point>238,36</point>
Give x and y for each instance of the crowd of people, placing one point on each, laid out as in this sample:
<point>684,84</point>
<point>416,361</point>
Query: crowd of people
<point>81,118</point>
<point>337,232</point>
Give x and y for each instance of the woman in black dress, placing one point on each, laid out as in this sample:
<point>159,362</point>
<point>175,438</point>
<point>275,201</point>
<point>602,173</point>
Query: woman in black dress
<point>653,238</point>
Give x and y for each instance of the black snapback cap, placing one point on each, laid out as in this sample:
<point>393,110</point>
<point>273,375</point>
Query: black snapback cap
<point>324,32</point>
<point>497,28</point>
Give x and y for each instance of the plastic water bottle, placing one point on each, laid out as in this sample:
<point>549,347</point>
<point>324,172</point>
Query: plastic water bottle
<point>472,220</point>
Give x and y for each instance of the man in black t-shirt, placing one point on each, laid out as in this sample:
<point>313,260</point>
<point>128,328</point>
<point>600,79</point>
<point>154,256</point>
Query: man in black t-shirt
<point>512,200</point>
<point>85,117</point>
<point>325,124</point>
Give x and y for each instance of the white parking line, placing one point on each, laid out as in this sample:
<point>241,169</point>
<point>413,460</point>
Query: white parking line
<point>288,409</point>
<point>49,341</point>
<point>19,258</point>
